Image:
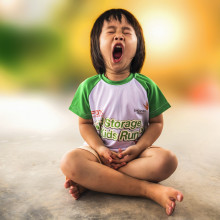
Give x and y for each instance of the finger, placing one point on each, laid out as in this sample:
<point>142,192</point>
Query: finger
<point>119,155</point>
<point>113,156</point>
<point>117,160</point>
<point>126,152</point>
<point>105,161</point>
<point>126,159</point>
<point>120,152</point>
<point>120,165</point>
<point>107,156</point>
<point>123,163</point>
<point>116,155</point>
<point>113,166</point>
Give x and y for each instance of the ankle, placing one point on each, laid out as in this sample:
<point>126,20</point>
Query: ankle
<point>149,190</point>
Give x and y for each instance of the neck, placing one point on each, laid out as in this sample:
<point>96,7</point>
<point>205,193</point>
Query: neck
<point>117,76</point>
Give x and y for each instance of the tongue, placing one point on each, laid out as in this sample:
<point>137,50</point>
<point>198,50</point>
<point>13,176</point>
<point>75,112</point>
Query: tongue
<point>117,55</point>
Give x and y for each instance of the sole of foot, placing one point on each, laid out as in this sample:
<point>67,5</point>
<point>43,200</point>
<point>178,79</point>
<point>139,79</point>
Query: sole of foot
<point>75,189</point>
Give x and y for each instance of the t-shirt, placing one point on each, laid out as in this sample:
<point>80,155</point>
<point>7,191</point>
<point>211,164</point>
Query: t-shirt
<point>120,109</point>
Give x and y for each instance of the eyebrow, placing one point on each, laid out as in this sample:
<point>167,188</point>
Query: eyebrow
<point>123,28</point>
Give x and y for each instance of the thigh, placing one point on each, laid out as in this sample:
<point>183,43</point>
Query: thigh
<point>153,164</point>
<point>163,160</point>
<point>151,151</point>
<point>78,154</point>
<point>91,150</point>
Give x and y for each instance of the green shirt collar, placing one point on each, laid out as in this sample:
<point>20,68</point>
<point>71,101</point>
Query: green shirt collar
<point>126,80</point>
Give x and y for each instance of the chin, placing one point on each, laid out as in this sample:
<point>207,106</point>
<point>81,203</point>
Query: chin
<point>118,70</point>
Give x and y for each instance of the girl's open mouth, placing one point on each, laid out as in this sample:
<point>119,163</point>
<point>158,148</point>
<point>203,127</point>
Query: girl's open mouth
<point>117,52</point>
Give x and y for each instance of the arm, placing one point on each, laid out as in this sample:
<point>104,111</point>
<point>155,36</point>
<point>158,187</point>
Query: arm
<point>147,139</point>
<point>90,135</point>
<point>152,133</point>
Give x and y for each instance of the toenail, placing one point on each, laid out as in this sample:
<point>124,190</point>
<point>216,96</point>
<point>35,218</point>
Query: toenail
<point>178,197</point>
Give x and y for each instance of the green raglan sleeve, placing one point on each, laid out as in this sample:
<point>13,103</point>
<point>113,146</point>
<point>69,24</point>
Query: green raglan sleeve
<point>157,101</point>
<point>80,104</point>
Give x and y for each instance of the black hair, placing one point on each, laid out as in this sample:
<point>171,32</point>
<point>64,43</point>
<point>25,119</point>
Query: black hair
<point>96,56</point>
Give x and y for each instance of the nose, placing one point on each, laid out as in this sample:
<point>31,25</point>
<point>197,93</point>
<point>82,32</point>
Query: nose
<point>119,37</point>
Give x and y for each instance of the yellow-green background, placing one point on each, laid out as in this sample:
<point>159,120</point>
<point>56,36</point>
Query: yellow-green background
<point>44,45</point>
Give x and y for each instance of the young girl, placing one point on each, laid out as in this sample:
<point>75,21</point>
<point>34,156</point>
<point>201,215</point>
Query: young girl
<point>120,117</point>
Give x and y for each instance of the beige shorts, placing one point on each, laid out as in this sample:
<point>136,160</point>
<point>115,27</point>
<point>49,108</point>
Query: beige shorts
<point>88,148</point>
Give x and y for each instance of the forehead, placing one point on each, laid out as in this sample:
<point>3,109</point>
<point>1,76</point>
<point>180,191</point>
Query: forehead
<point>113,22</point>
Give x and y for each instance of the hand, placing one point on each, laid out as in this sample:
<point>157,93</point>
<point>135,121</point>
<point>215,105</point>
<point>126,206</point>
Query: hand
<point>129,154</point>
<point>116,162</point>
<point>109,158</point>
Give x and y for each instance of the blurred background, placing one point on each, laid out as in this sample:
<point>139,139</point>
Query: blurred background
<point>44,53</point>
<point>44,44</point>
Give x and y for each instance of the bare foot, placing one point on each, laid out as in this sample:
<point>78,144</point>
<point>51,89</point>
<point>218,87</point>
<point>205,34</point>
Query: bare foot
<point>76,190</point>
<point>166,197</point>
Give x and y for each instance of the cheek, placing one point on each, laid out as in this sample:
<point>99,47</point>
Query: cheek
<point>133,46</point>
<point>132,50</point>
<point>104,48</point>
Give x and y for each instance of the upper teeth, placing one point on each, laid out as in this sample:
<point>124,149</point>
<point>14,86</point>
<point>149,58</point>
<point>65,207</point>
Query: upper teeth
<point>118,46</point>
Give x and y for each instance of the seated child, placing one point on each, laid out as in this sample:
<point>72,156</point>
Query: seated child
<point>120,117</point>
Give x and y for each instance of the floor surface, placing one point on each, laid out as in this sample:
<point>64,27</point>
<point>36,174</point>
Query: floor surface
<point>36,130</point>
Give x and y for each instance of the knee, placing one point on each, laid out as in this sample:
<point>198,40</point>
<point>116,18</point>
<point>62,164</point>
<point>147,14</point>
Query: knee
<point>167,162</point>
<point>68,163</point>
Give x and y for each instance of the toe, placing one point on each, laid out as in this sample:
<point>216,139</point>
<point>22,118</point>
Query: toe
<point>67,184</point>
<point>73,190</point>
<point>75,195</point>
<point>172,204</point>
<point>73,187</point>
<point>179,197</point>
<point>81,189</point>
<point>169,210</point>
<point>176,195</point>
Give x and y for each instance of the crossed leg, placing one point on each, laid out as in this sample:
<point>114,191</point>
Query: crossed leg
<point>154,164</point>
